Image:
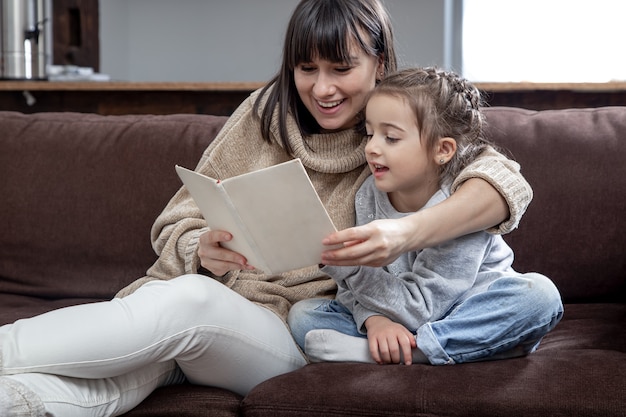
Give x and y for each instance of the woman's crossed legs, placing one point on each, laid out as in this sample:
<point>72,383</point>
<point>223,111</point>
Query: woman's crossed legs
<point>114,354</point>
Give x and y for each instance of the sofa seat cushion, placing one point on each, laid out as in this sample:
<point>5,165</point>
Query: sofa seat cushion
<point>578,370</point>
<point>188,401</point>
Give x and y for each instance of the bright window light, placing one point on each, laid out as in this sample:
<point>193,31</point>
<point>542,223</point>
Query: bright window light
<point>544,40</point>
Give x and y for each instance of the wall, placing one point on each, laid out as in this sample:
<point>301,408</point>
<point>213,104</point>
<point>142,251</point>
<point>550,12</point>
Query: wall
<point>236,40</point>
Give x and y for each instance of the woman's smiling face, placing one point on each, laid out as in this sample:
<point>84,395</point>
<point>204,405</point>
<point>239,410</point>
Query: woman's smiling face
<point>334,92</point>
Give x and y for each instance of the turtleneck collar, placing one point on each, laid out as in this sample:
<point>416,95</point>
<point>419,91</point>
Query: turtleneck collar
<point>332,153</point>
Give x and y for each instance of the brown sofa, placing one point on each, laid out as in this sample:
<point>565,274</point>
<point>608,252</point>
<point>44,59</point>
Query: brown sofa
<point>80,192</point>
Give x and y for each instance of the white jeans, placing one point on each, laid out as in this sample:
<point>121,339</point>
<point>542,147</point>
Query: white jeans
<point>116,353</point>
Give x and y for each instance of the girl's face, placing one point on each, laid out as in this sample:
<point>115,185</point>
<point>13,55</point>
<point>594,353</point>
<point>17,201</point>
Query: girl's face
<point>400,163</point>
<point>334,92</point>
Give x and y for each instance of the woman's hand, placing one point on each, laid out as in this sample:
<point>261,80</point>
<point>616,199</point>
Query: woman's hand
<point>377,243</point>
<point>389,342</point>
<point>215,258</point>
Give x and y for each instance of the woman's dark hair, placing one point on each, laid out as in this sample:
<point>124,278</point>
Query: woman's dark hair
<point>445,105</point>
<point>322,29</point>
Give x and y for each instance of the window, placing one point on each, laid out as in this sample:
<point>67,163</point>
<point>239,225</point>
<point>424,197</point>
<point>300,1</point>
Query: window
<point>544,40</point>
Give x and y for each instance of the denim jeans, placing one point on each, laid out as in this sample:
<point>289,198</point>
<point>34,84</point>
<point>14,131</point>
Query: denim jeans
<point>514,312</point>
<point>105,358</point>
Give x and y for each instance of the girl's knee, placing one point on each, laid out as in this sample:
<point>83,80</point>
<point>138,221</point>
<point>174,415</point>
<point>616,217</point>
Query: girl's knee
<point>301,318</point>
<point>534,295</point>
<point>305,306</point>
<point>535,288</point>
<point>306,310</point>
<point>544,289</point>
<point>544,297</point>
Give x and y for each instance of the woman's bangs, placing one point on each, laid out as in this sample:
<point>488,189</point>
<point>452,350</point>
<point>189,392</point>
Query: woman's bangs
<point>327,38</point>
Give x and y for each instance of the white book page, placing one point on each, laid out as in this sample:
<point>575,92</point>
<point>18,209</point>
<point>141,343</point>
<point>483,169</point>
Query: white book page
<point>283,213</point>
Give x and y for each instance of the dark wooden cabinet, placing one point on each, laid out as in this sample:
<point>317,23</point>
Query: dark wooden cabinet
<point>75,33</point>
<point>111,98</point>
<point>547,96</point>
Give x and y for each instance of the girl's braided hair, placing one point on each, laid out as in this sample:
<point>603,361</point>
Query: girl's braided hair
<point>445,105</point>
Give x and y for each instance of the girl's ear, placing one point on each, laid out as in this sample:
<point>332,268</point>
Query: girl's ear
<point>444,150</point>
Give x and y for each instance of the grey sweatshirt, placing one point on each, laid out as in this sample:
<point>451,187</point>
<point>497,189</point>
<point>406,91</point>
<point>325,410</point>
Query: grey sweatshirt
<point>418,287</point>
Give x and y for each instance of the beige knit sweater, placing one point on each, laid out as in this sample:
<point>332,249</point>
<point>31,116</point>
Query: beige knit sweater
<point>335,163</point>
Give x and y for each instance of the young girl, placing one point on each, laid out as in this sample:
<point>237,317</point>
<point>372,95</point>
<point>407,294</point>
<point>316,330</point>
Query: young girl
<point>457,302</point>
<point>201,313</point>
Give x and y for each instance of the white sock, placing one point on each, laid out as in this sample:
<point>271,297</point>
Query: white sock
<point>18,401</point>
<point>326,345</point>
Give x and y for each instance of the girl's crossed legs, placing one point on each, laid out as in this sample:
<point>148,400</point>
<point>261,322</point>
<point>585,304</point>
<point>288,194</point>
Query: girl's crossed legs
<point>111,355</point>
<point>507,320</point>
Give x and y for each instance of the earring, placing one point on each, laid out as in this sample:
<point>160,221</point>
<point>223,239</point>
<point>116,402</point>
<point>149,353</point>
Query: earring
<point>442,161</point>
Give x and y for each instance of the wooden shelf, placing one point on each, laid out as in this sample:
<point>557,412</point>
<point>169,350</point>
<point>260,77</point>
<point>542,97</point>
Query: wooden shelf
<point>125,86</point>
<point>222,98</point>
<point>545,96</point>
<point>253,85</point>
<point>583,87</point>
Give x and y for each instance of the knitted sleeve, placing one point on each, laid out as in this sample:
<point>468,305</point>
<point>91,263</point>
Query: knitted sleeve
<point>504,175</point>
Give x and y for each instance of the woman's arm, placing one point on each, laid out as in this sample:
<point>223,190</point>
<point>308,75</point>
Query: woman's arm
<point>380,242</point>
<point>489,194</point>
<point>180,230</point>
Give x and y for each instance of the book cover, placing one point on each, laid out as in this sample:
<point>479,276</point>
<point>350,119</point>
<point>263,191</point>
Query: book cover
<point>274,214</point>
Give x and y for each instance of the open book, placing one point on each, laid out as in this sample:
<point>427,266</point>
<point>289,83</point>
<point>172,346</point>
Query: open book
<point>274,214</point>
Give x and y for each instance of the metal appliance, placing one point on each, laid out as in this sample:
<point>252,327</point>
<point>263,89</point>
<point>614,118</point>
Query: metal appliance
<point>25,39</point>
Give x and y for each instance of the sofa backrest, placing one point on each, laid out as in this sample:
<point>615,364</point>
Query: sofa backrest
<point>573,230</point>
<point>80,193</point>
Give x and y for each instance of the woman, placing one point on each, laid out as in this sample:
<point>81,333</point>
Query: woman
<point>228,329</point>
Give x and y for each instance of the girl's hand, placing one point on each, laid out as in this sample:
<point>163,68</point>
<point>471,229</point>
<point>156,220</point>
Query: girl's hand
<point>389,342</point>
<point>215,258</point>
<point>377,243</point>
